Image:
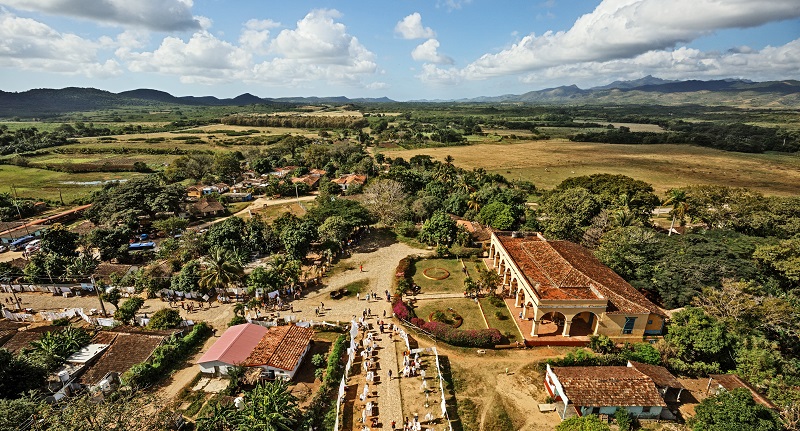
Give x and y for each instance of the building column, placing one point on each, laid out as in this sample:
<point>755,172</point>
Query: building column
<point>516,297</point>
<point>505,276</point>
<point>567,325</point>
<point>494,259</point>
<point>535,323</point>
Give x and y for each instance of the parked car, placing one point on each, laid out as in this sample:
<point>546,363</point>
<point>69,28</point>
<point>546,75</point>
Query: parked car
<point>3,249</point>
<point>33,246</point>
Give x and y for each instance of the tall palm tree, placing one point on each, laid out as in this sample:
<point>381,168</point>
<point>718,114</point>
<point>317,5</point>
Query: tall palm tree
<point>220,270</point>
<point>677,198</point>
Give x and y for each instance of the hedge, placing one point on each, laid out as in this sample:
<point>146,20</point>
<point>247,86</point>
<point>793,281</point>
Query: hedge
<point>165,356</point>
<point>487,338</point>
<point>320,414</point>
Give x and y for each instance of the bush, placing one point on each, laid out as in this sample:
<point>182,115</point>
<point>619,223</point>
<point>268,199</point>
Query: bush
<point>402,311</point>
<point>318,360</point>
<point>165,318</point>
<point>496,301</point>
<point>499,315</point>
<point>237,320</point>
<point>406,229</point>
<point>601,344</point>
<point>166,356</point>
<point>624,419</point>
<point>460,337</point>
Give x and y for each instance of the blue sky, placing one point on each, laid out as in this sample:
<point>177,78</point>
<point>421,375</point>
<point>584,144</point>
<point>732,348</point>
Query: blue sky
<point>403,49</point>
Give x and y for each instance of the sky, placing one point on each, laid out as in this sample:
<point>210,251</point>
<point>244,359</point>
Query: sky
<point>401,49</point>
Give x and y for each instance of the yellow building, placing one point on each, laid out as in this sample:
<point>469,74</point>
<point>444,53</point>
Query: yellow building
<point>562,290</point>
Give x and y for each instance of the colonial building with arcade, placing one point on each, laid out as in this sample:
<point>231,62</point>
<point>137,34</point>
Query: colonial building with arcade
<point>562,290</point>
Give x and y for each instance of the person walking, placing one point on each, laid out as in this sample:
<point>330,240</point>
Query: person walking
<point>390,374</point>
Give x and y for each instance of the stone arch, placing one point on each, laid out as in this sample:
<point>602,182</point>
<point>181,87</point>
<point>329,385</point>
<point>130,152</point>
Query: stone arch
<point>584,324</point>
<point>551,323</point>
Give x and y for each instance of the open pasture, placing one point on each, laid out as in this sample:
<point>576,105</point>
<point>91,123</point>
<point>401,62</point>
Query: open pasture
<point>547,163</point>
<point>44,184</point>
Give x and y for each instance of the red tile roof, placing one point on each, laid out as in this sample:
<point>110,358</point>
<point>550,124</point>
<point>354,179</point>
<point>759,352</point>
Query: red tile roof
<point>661,377</point>
<point>563,270</point>
<point>282,347</point>
<point>125,351</point>
<point>235,344</point>
<point>732,381</point>
<point>608,386</point>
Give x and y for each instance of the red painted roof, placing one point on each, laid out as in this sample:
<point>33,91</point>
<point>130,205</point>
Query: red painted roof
<point>235,345</point>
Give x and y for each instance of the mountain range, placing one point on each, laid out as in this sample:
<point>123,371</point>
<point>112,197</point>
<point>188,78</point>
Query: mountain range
<point>647,90</point>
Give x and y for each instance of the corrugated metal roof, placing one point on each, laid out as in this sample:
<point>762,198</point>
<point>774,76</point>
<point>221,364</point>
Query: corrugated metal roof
<point>235,345</point>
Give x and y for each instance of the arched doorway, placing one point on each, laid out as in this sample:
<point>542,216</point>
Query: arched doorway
<point>551,324</point>
<point>584,324</point>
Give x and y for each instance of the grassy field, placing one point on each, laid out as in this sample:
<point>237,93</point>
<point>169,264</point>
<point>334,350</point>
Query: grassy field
<point>506,325</point>
<point>547,163</point>
<point>466,307</point>
<point>43,184</point>
<point>452,284</point>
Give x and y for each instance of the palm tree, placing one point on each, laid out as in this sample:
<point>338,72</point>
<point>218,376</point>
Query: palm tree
<point>220,270</point>
<point>473,203</point>
<point>677,198</point>
<point>269,407</point>
<point>624,218</point>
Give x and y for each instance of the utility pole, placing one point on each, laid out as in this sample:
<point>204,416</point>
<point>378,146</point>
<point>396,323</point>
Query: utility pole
<point>99,296</point>
<point>16,204</point>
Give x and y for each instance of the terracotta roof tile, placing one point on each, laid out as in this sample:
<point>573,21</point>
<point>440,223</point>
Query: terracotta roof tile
<point>23,339</point>
<point>564,270</point>
<point>608,386</point>
<point>661,377</point>
<point>732,381</point>
<point>281,347</point>
<point>126,350</point>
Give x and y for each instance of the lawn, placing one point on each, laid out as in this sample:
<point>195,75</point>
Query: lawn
<point>547,163</point>
<point>506,326</point>
<point>43,184</point>
<point>452,284</point>
<point>466,307</point>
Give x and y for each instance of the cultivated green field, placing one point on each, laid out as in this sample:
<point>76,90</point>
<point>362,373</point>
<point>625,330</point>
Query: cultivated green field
<point>547,163</point>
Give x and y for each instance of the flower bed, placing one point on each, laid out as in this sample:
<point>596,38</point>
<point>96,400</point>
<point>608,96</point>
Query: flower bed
<point>460,337</point>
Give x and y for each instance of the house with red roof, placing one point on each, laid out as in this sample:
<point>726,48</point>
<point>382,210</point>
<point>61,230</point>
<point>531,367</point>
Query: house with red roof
<point>601,390</point>
<point>560,284</point>
<point>277,351</point>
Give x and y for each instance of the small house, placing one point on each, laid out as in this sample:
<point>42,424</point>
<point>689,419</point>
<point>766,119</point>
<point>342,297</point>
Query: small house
<point>238,197</point>
<point>348,180</point>
<point>207,208</point>
<point>277,351</point>
<point>581,391</point>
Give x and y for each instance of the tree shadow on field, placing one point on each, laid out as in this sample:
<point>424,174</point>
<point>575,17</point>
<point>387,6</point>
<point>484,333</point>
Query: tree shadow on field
<point>375,240</point>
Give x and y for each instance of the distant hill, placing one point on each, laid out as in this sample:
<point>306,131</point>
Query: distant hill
<point>41,103</point>
<point>651,90</point>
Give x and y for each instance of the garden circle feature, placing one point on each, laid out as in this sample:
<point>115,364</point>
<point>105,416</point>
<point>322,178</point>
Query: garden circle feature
<point>436,273</point>
<point>449,317</point>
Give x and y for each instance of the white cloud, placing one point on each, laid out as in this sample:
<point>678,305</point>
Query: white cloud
<point>411,27</point>
<point>428,52</point>
<point>627,28</point>
<point>160,15</point>
<point>255,35</point>
<point>318,49</point>
<point>452,4</point>
<point>435,75</point>
<point>27,44</point>
<point>770,63</point>
<point>203,59</point>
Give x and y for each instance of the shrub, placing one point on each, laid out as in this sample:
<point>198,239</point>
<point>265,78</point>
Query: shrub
<point>402,311</point>
<point>318,360</point>
<point>624,419</point>
<point>406,228</point>
<point>460,337</point>
<point>237,320</point>
<point>165,318</point>
<point>500,315</point>
<point>496,301</point>
<point>165,357</point>
<point>601,344</point>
